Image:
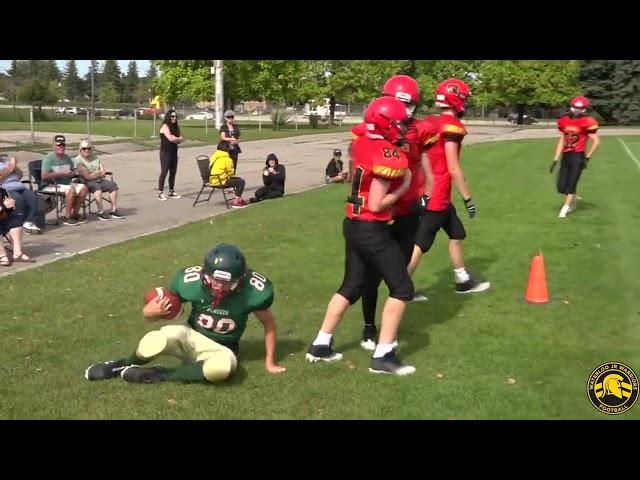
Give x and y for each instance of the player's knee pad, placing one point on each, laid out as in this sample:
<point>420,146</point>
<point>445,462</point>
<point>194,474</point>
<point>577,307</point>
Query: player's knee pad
<point>152,344</point>
<point>219,366</point>
<point>403,290</point>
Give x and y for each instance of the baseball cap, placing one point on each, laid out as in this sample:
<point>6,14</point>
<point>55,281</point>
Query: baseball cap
<point>229,113</point>
<point>59,140</point>
<point>337,151</point>
<point>85,144</point>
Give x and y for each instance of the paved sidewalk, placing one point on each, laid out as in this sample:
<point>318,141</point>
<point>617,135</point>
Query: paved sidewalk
<point>137,175</point>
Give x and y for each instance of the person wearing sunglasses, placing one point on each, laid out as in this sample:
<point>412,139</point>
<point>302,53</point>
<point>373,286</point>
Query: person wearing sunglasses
<point>230,132</point>
<point>57,172</point>
<point>90,168</point>
<point>169,139</point>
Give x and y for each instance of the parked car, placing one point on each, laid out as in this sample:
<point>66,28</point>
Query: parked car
<point>125,112</point>
<point>526,119</point>
<point>201,116</point>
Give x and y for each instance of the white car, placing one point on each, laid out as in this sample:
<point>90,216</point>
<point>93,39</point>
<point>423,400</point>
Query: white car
<point>201,116</point>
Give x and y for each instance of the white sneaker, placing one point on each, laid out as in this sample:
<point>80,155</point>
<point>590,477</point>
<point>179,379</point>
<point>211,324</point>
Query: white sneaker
<point>162,197</point>
<point>174,195</point>
<point>31,227</point>
<point>418,297</point>
<point>368,344</point>
<point>563,211</point>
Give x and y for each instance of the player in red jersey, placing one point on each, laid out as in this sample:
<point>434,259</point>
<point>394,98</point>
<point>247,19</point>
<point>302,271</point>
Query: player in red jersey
<point>380,178</point>
<point>405,223</point>
<point>576,128</point>
<point>442,137</point>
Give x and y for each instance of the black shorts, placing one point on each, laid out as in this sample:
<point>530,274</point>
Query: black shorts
<point>571,167</point>
<point>431,222</point>
<point>371,247</point>
<point>404,231</point>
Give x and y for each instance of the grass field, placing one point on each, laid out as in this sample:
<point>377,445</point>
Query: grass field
<point>191,130</point>
<point>58,319</point>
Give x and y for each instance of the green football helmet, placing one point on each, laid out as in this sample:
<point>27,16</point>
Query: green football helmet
<point>223,269</point>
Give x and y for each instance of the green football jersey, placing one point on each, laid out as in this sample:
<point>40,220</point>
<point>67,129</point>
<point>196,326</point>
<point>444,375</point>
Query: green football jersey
<point>225,323</point>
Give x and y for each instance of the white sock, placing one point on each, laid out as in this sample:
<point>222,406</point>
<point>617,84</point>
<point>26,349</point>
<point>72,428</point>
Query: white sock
<point>461,275</point>
<point>382,349</point>
<point>323,338</point>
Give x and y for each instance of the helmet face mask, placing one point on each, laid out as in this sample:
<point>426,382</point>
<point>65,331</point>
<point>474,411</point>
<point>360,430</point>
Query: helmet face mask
<point>405,89</point>
<point>579,105</point>
<point>223,270</point>
<point>220,286</point>
<point>386,117</point>
<point>411,109</point>
<point>454,94</point>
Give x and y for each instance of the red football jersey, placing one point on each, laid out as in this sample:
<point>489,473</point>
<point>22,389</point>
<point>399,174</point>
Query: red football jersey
<point>575,131</point>
<point>437,130</point>
<point>413,147</point>
<point>373,158</point>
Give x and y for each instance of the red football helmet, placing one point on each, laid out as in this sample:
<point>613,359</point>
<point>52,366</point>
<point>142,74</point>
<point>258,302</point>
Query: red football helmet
<point>452,93</point>
<point>405,89</point>
<point>384,117</point>
<point>579,103</point>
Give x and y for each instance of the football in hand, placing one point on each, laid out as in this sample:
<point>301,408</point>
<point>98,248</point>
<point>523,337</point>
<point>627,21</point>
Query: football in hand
<point>161,292</point>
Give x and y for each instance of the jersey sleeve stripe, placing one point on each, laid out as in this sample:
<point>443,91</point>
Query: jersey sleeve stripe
<point>453,129</point>
<point>388,172</point>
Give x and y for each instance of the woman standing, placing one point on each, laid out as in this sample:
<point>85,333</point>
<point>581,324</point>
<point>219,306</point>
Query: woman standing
<point>230,132</point>
<point>169,140</point>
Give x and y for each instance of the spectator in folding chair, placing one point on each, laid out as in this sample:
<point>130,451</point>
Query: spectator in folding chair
<point>11,223</point>
<point>26,199</point>
<point>221,173</point>
<point>273,177</point>
<point>90,168</point>
<point>57,171</point>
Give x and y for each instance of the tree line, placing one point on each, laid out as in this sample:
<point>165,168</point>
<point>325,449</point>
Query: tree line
<point>613,86</point>
<point>40,82</point>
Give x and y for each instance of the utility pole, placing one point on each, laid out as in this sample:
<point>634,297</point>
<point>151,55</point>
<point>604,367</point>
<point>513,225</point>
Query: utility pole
<point>219,79</point>
<point>93,111</point>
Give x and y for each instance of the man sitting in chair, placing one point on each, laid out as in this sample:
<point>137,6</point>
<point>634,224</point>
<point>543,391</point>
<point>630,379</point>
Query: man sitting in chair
<point>93,172</point>
<point>57,167</point>
<point>221,173</point>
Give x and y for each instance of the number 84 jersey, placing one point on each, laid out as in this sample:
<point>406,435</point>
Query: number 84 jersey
<point>373,158</point>
<point>224,321</point>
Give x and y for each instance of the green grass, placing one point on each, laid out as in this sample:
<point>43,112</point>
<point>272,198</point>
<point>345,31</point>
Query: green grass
<point>191,130</point>
<point>58,319</point>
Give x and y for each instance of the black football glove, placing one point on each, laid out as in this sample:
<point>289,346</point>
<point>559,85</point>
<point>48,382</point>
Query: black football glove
<point>553,166</point>
<point>585,162</point>
<point>420,206</point>
<point>471,207</point>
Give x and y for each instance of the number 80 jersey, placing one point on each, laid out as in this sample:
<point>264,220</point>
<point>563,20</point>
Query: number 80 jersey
<point>222,322</point>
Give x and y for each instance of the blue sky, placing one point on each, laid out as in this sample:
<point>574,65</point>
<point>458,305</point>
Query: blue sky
<point>83,66</point>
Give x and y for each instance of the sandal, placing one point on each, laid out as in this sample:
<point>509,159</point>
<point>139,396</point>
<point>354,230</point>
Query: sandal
<point>4,261</point>
<point>23,258</point>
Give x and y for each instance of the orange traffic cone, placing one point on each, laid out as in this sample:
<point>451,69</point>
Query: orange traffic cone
<point>537,289</point>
